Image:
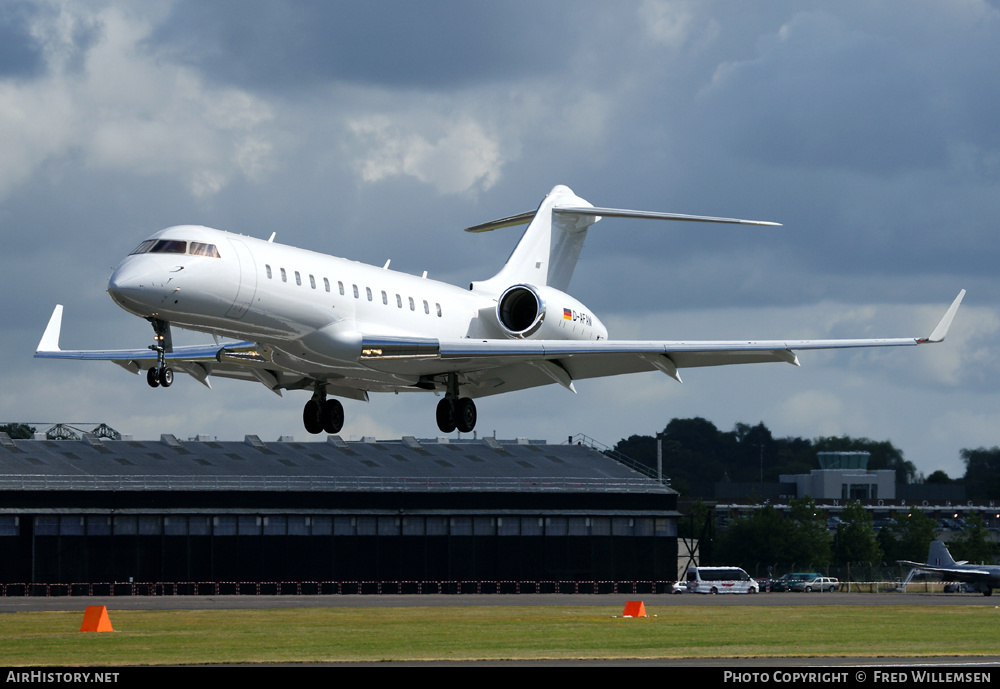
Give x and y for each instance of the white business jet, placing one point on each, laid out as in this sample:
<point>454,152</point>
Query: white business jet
<point>338,328</point>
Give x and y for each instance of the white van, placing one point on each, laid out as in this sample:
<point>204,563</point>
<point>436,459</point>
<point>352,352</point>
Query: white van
<point>720,580</point>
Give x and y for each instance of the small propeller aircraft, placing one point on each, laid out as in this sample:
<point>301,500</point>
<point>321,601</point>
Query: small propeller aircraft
<point>308,321</point>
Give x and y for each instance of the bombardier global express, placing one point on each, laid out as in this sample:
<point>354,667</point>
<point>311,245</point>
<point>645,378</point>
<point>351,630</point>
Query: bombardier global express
<point>338,328</point>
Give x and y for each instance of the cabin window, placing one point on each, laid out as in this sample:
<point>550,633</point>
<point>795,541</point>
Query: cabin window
<point>326,284</point>
<point>268,269</point>
<point>385,298</point>
<point>427,308</point>
<point>312,282</point>
<point>356,295</point>
<point>399,301</point>
<point>438,309</point>
<point>284,276</point>
<point>368,291</point>
<point>413,306</point>
<point>340,285</point>
<point>298,279</point>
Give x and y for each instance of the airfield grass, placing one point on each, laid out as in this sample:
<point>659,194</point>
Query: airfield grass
<point>179,637</point>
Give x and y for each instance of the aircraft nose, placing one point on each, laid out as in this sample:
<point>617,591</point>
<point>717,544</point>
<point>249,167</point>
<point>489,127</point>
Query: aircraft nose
<point>130,287</point>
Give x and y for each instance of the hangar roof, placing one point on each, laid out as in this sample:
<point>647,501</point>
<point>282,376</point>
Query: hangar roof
<point>391,465</point>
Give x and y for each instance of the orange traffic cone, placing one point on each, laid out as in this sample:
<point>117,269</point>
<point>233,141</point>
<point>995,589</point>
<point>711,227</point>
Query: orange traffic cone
<point>634,608</point>
<point>95,619</point>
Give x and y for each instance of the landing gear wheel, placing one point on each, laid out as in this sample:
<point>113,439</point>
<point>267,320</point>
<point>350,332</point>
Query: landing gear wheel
<point>152,378</point>
<point>333,416</point>
<point>465,415</point>
<point>311,417</point>
<point>166,376</point>
<point>446,415</point>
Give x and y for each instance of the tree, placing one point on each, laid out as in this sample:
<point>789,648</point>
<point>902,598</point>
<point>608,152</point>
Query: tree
<point>18,431</point>
<point>982,472</point>
<point>938,477</point>
<point>768,536</point>
<point>908,536</point>
<point>974,544</point>
<point>812,536</point>
<point>856,540</point>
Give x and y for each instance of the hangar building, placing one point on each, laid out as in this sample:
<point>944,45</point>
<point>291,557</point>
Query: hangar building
<point>332,513</point>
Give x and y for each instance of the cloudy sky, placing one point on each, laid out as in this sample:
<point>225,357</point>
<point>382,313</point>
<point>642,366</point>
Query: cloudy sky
<point>378,130</point>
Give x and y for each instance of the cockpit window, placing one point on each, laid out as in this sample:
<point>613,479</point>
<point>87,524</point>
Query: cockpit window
<point>202,249</point>
<point>144,247</point>
<point>169,246</point>
<point>177,246</point>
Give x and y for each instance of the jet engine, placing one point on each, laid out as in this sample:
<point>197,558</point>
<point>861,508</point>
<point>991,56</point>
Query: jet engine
<point>543,313</point>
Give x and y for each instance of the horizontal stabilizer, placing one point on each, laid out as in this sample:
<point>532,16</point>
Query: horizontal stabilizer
<point>512,221</point>
<point>651,215</point>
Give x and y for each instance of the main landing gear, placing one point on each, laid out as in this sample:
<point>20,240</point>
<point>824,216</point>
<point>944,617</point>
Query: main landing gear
<point>161,374</point>
<point>457,413</point>
<point>321,414</point>
<point>454,411</point>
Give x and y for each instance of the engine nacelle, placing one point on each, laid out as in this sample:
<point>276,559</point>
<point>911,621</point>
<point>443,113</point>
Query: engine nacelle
<point>544,313</point>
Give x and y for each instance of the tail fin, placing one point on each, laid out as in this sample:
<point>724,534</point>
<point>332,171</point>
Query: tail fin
<point>938,555</point>
<point>549,248</point>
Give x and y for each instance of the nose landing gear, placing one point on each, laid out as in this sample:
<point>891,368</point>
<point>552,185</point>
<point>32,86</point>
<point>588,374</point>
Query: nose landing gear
<point>161,374</point>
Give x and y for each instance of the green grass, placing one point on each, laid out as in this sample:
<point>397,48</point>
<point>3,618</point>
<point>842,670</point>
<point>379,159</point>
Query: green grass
<point>465,633</point>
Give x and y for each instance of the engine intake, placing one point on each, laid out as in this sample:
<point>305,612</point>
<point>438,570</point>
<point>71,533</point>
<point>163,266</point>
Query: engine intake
<point>521,311</point>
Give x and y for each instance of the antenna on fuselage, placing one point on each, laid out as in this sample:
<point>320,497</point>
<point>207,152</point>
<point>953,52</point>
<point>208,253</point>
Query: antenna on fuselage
<point>387,262</point>
<point>271,238</point>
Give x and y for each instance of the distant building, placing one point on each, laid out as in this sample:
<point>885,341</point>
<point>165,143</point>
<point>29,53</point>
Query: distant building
<point>844,476</point>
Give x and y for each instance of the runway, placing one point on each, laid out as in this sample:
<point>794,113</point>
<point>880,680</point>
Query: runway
<point>71,603</point>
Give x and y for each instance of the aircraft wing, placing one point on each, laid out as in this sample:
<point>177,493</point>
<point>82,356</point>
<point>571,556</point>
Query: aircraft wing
<point>968,573</point>
<point>495,366</point>
<point>486,367</point>
<point>239,360</point>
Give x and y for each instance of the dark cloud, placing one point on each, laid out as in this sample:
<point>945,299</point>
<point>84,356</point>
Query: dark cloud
<point>20,53</point>
<point>822,94</point>
<point>289,45</point>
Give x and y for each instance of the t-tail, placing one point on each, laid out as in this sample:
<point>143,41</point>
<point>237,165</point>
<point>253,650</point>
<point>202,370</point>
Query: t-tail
<point>548,250</point>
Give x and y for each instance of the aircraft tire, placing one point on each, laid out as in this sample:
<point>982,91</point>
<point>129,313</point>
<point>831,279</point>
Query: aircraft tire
<point>446,415</point>
<point>465,415</point>
<point>152,378</point>
<point>166,376</point>
<point>311,417</point>
<point>333,416</point>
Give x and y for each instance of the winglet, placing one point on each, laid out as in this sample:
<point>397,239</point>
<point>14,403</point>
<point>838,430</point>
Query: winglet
<point>50,338</point>
<point>942,328</point>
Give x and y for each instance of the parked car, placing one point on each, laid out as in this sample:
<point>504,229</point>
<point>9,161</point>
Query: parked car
<point>785,581</point>
<point>817,584</point>
<point>678,587</point>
